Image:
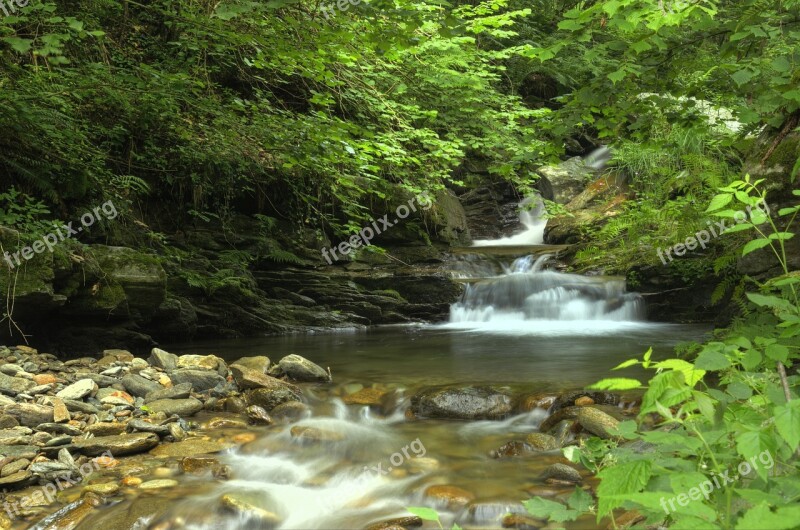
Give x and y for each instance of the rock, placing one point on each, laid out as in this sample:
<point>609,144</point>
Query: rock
<point>45,379</point>
<point>467,403</point>
<point>520,522</point>
<point>7,421</point>
<point>104,490</point>
<point>14,385</point>
<point>19,451</point>
<point>300,369</point>
<point>568,413</point>
<point>79,390</point>
<point>258,416</point>
<point>290,412</point>
<point>60,411</point>
<point>247,511</point>
<point>118,445</point>
<point>29,414</point>
<point>258,363</point>
<point>59,428</point>
<point>14,467</point>
<point>366,396</point>
<point>59,441</point>
<point>537,401</point>
<point>597,422</point>
<point>411,521</point>
<point>452,497</point>
<point>486,514</point>
<point>312,434</point>
<point>162,359</point>
<point>79,406</point>
<point>190,447</point>
<point>626,520</point>
<point>180,391</point>
<point>568,399</point>
<point>269,398</point>
<point>15,479</point>
<point>144,426</point>
<point>566,180</point>
<point>542,442</point>
<point>139,386</point>
<point>106,429</point>
<point>511,449</point>
<point>198,464</point>
<point>247,378</point>
<point>181,407</point>
<point>202,362</point>
<point>225,423</point>
<point>584,401</point>
<point>158,484</point>
<point>201,380</point>
<point>118,398</point>
<point>562,473</point>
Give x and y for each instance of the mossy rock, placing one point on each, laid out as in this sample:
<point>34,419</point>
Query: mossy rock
<point>141,276</point>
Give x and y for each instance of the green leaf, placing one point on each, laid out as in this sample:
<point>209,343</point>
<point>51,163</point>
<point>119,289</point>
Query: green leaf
<point>784,518</point>
<point>754,443</point>
<point>617,76</point>
<point>787,421</point>
<point>554,511</point>
<point>712,360</point>
<point>770,301</point>
<point>426,514</point>
<point>777,352</point>
<point>616,383</point>
<point>742,76</point>
<point>754,245</point>
<point>621,480</point>
<point>626,364</point>
<point>18,44</point>
<point>580,501</point>
<point>719,201</point>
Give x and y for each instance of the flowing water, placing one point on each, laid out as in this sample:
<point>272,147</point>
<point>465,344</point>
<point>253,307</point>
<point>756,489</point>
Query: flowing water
<point>519,327</point>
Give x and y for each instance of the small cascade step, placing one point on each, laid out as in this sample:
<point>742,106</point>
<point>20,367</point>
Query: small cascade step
<point>511,250</point>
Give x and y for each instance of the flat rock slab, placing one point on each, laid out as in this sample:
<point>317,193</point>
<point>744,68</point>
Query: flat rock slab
<point>181,407</point>
<point>129,444</point>
<point>190,447</point>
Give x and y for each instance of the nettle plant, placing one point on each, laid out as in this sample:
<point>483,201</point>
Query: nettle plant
<point>729,419</point>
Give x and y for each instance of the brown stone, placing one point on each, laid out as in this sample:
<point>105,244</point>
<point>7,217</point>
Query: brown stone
<point>626,520</point>
<point>60,412</point>
<point>366,396</point>
<point>537,401</point>
<point>411,521</point>
<point>196,464</point>
<point>452,496</point>
<point>315,435</point>
<point>45,379</point>
<point>584,401</point>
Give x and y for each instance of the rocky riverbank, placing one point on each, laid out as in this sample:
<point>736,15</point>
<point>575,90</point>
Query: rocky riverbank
<point>80,434</point>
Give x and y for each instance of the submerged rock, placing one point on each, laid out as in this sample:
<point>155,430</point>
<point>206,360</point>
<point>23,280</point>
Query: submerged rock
<point>597,422</point>
<point>562,473</point>
<point>468,403</point>
<point>118,445</point>
<point>451,496</point>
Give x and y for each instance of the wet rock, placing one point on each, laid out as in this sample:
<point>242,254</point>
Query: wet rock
<point>537,401</point>
<point>290,412</point>
<point>511,449</point>
<point>201,380</point>
<point>258,416</point>
<point>450,496</point>
<point>542,442</point>
<point>312,434</point>
<point>139,386</point>
<point>568,413</point>
<point>568,399</point>
<point>225,423</point>
<point>233,504</point>
<point>118,445</point>
<point>467,403</point>
<point>79,390</point>
<point>198,464</point>
<point>269,398</point>
<point>162,359</point>
<point>521,522</point>
<point>234,404</point>
<point>584,401</point>
<point>411,521</point>
<point>30,414</point>
<point>562,473</point>
<point>597,422</point>
<point>192,446</point>
<point>181,407</point>
<point>14,385</point>
<point>486,514</point>
<point>158,484</point>
<point>106,428</point>
<point>258,363</point>
<point>104,489</point>
<point>626,520</point>
<point>366,396</point>
<point>180,391</point>
<point>300,369</point>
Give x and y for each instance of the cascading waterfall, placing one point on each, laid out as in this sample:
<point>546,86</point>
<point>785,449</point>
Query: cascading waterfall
<point>527,293</point>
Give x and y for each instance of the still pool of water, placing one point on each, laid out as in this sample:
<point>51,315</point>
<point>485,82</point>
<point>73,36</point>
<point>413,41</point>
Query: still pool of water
<point>371,467</point>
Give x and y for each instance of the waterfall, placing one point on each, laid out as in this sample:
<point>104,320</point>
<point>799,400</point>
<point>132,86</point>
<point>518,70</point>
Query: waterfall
<point>527,295</point>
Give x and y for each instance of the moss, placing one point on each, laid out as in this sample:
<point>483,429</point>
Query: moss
<point>391,293</point>
<point>102,300</point>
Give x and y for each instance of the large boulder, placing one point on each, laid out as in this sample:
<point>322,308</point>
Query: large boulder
<point>565,180</point>
<point>464,403</point>
<point>14,385</point>
<point>201,380</point>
